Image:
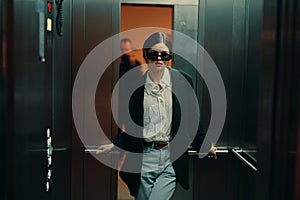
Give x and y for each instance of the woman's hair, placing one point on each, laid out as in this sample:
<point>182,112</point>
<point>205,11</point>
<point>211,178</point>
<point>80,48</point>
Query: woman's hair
<point>154,39</point>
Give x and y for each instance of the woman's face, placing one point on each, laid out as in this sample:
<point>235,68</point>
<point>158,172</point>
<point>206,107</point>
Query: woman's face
<point>158,57</point>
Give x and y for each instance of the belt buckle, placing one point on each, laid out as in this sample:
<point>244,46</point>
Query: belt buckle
<point>159,145</point>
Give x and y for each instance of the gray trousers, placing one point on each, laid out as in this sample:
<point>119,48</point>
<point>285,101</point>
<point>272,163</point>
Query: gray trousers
<point>158,179</point>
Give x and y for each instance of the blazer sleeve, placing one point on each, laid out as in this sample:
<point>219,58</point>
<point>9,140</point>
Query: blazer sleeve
<point>127,142</point>
<point>124,140</point>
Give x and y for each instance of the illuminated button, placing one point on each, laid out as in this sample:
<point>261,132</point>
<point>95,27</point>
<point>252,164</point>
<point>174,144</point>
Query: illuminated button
<point>47,186</point>
<point>49,5</point>
<point>49,174</point>
<point>49,24</point>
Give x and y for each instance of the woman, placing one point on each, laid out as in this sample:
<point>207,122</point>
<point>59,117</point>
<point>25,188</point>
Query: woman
<point>157,110</point>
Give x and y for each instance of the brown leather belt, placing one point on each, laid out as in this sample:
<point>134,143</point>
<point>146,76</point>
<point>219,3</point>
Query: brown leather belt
<point>156,144</point>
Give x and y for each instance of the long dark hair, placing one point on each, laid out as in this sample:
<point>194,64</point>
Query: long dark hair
<point>154,39</point>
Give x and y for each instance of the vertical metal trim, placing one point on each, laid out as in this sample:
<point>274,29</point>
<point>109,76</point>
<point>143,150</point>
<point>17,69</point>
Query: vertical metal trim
<point>40,9</point>
<point>296,38</point>
<point>84,27</point>
<point>247,7</point>
<point>201,41</point>
<point>201,21</point>
<point>116,10</point>
<point>116,13</point>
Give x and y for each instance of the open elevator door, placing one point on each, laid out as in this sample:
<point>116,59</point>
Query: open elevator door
<point>179,16</point>
<point>150,15</point>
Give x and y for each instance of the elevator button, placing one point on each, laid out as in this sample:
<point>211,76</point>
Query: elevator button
<point>49,24</point>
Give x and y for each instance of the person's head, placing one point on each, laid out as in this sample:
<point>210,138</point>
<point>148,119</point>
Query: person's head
<point>125,46</point>
<point>157,51</point>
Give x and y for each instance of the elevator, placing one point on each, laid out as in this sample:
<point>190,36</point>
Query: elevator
<point>254,44</point>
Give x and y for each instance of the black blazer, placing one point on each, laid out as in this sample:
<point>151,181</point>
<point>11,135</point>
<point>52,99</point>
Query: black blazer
<point>135,144</point>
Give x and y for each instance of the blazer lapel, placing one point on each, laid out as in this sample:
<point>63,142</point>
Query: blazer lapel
<point>176,113</point>
<point>136,105</point>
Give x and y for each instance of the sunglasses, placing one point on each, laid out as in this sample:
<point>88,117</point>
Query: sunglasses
<point>164,56</point>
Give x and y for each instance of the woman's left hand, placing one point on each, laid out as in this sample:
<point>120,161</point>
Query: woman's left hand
<point>213,153</point>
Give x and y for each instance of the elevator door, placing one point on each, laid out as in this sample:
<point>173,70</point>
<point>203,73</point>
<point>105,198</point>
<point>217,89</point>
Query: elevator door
<point>93,22</point>
<point>152,16</point>
<point>38,78</point>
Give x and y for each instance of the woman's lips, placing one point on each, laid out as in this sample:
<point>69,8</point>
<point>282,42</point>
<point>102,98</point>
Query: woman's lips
<point>159,64</point>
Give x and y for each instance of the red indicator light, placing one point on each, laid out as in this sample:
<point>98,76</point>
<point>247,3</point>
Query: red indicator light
<point>49,4</point>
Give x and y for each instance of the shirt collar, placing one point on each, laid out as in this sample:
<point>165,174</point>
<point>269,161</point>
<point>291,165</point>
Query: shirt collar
<point>165,82</point>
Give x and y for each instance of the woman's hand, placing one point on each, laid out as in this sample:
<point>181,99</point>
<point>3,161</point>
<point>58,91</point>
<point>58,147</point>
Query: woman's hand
<point>213,152</point>
<point>105,148</point>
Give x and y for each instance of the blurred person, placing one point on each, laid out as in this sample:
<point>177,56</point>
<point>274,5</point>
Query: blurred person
<point>128,58</point>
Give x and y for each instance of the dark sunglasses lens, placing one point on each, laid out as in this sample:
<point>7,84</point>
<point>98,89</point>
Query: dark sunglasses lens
<point>154,56</point>
<point>166,56</point>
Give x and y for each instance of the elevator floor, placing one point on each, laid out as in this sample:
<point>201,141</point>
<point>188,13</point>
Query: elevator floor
<point>123,192</point>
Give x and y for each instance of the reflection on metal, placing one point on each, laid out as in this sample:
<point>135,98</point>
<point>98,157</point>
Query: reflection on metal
<point>230,32</point>
<point>219,152</point>
<point>40,6</point>
<point>56,149</point>
<point>94,149</point>
<point>186,22</point>
<point>251,154</point>
<point>244,160</point>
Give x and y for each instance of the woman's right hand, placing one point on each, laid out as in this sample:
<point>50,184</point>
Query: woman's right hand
<point>105,148</point>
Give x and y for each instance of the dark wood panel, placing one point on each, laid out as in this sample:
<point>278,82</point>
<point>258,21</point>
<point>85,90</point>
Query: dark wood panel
<point>97,179</point>
<point>92,24</point>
